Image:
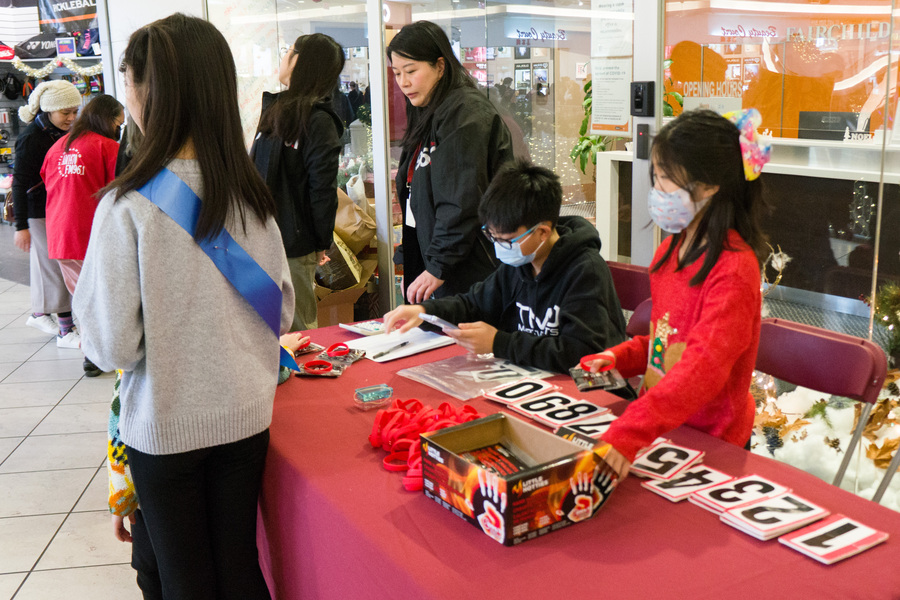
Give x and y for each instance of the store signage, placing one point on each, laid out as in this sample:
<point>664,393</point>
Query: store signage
<point>718,89</point>
<point>67,16</point>
<point>839,31</point>
<point>534,34</point>
<point>756,32</point>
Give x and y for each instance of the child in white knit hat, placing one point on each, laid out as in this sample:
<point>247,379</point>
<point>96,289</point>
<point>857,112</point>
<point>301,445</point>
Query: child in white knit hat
<point>50,112</point>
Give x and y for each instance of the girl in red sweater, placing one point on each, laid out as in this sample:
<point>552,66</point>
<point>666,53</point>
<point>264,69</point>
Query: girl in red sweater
<point>705,286</point>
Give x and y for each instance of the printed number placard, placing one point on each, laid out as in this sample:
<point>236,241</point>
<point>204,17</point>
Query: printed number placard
<point>770,517</point>
<point>556,409</point>
<point>834,539</point>
<point>593,426</point>
<point>521,389</point>
<point>664,461</point>
<point>736,493</point>
<point>687,482</point>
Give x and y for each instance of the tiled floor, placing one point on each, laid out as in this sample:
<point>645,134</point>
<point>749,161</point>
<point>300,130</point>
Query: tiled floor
<point>55,535</point>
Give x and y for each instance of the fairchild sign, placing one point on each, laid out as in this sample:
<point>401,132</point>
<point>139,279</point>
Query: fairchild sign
<point>534,34</point>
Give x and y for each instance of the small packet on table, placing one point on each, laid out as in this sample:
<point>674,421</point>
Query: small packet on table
<point>604,380</point>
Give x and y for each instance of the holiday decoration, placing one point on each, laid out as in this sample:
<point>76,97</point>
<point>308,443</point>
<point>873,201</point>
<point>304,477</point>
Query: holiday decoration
<point>54,64</point>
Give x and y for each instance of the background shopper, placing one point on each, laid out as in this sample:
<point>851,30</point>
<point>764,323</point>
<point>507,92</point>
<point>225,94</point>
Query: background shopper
<point>297,150</point>
<point>75,168</point>
<point>454,144</point>
<point>52,108</point>
<point>153,304</point>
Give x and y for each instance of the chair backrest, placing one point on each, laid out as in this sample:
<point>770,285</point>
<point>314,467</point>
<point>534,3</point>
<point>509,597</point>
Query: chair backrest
<point>639,323</point>
<point>822,360</point>
<point>632,283</point>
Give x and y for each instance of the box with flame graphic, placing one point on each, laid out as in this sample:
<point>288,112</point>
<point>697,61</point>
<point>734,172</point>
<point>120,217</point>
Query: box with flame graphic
<point>546,483</point>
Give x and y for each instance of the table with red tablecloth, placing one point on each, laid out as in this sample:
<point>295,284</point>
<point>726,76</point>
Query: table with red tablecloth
<point>335,524</point>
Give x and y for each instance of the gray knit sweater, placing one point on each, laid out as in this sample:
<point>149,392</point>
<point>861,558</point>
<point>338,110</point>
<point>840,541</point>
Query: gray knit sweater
<point>200,364</point>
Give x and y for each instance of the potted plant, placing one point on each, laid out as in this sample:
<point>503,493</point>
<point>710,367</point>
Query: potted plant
<point>588,145</point>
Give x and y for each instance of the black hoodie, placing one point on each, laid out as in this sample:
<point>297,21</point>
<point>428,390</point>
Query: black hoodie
<point>550,321</point>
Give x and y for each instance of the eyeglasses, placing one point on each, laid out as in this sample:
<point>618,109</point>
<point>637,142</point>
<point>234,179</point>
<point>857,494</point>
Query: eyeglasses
<point>286,49</point>
<point>506,244</point>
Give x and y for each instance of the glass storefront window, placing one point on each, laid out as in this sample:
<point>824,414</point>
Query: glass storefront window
<point>824,78</point>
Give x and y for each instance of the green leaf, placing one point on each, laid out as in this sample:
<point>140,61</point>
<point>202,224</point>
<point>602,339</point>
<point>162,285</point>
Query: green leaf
<point>583,129</point>
<point>678,97</point>
<point>667,63</point>
<point>584,163</point>
<point>587,86</point>
<point>668,111</point>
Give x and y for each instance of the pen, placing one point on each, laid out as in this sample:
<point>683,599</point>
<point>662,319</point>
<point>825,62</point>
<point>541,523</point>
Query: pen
<point>389,350</point>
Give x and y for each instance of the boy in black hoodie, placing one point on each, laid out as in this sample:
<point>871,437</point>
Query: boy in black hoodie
<point>552,301</point>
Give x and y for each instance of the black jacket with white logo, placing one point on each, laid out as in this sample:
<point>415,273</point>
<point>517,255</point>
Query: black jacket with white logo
<point>302,177</point>
<point>467,145</point>
<point>550,321</point>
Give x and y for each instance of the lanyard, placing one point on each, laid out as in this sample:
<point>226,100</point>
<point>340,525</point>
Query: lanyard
<point>173,196</point>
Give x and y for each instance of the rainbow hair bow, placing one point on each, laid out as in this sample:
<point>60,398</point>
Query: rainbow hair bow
<point>756,149</point>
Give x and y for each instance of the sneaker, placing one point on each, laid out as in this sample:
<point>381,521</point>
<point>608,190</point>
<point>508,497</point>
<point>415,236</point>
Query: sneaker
<point>71,340</point>
<point>45,323</point>
<point>90,369</point>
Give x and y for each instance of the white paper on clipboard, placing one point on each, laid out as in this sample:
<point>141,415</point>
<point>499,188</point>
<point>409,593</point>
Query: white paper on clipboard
<point>418,340</point>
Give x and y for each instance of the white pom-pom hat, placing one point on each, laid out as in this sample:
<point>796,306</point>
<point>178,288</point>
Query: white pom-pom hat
<point>49,96</point>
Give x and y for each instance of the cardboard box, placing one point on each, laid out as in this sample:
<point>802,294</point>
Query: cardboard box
<point>335,307</point>
<point>558,486</point>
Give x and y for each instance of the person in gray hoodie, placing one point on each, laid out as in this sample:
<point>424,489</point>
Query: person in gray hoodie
<point>200,363</point>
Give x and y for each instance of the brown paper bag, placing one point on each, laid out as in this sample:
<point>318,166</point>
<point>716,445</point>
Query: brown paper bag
<point>352,224</point>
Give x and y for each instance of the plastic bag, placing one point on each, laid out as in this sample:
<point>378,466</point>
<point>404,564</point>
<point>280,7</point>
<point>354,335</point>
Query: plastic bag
<point>342,271</point>
<point>468,376</point>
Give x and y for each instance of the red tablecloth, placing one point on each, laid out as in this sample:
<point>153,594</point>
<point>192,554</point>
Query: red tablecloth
<point>335,524</point>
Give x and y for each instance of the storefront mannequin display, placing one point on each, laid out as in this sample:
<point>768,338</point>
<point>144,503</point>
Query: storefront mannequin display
<point>153,302</point>
<point>297,151</point>
<point>52,108</point>
<point>455,142</point>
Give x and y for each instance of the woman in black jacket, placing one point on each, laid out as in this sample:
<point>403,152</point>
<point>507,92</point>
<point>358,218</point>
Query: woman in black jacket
<point>297,149</point>
<point>454,143</point>
<point>50,112</point>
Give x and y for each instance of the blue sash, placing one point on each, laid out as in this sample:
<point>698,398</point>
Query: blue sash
<point>173,196</point>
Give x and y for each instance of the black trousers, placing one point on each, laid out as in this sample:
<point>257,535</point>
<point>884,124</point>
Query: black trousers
<point>199,508</point>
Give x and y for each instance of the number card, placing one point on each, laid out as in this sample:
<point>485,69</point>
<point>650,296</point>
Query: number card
<point>687,482</point>
<point>556,409</point>
<point>593,427</point>
<point>767,518</point>
<point>736,493</point>
<point>664,461</point>
<point>521,389</point>
<point>834,539</point>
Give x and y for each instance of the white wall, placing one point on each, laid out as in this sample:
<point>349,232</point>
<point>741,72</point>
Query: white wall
<point>122,18</point>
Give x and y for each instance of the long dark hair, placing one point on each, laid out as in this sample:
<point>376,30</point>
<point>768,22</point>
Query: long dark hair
<point>97,116</point>
<point>425,41</point>
<point>320,60</point>
<point>183,68</point>
<point>701,146</point>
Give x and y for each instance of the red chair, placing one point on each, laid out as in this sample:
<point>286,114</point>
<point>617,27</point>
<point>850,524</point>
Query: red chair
<point>632,283</point>
<point>825,361</point>
<point>639,323</point>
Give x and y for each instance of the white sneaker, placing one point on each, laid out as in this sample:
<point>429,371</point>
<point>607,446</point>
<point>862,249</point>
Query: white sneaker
<point>71,340</point>
<point>45,323</point>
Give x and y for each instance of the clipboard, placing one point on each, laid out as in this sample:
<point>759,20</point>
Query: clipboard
<point>418,340</point>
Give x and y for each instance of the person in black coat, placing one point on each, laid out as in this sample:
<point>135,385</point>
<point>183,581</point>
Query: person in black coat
<point>297,150</point>
<point>553,299</point>
<point>455,142</point>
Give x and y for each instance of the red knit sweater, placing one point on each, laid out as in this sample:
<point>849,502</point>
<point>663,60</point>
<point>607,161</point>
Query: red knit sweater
<point>698,370</point>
